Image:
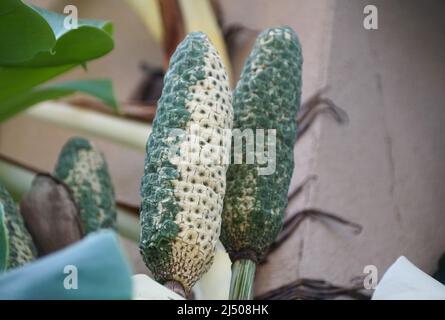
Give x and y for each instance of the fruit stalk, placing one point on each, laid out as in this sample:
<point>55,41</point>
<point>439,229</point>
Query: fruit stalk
<point>241,285</point>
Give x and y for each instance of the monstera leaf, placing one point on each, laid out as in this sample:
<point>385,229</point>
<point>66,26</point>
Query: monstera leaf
<point>35,46</point>
<point>101,89</point>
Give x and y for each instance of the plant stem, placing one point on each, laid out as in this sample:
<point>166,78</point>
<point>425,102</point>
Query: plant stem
<point>241,285</point>
<point>150,13</point>
<point>118,130</point>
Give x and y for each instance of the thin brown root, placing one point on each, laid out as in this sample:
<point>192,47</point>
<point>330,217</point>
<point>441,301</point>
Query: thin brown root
<point>313,289</point>
<point>315,106</point>
<point>292,223</point>
<point>313,100</point>
<point>298,189</point>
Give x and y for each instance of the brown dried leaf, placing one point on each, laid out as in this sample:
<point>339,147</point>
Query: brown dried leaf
<point>51,215</point>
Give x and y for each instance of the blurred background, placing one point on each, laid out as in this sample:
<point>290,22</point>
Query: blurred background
<point>383,170</point>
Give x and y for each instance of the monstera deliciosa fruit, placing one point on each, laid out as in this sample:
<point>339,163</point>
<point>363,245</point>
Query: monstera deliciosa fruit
<point>182,191</point>
<point>16,245</point>
<point>266,97</point>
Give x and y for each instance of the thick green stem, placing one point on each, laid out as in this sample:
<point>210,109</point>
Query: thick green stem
<point>117,130</point>
<point>241,285</point>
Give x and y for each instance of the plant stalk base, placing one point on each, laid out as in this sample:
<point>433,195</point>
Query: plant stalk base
<point>241,285</point>
<point>176,287</point>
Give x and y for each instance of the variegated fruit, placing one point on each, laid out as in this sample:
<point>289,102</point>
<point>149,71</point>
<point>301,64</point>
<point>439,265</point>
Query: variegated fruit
<point>185,168</point>
<point>266,97</point>
<point>83,168</point>
<point>18,246</point>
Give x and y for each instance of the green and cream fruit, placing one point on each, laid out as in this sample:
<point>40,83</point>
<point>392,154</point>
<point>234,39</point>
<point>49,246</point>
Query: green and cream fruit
<point>84,169</point>
<point>184,182</point>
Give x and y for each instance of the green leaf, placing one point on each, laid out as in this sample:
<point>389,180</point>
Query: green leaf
<point>35,37</point>
<point>14,81</point>
<point>97,264</point>
<point>100,88</point>
<point>23,32</point>
<point>4,246</point>
<point>35,47</point>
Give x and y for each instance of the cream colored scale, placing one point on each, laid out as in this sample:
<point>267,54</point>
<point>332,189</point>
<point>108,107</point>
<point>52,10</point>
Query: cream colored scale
<point>202,167</point>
